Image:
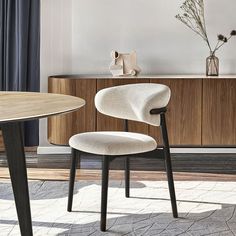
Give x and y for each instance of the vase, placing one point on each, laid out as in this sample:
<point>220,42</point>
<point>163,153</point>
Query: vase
<point>212,65</point>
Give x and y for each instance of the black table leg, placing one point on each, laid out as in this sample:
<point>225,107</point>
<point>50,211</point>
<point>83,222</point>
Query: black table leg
<point>12,135</point>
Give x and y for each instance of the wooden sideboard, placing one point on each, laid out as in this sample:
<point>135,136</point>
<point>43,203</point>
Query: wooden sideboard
<point>201,112</point>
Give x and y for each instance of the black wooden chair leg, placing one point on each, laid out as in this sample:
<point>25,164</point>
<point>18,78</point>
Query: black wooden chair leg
<point>105,176</point>
<point>166,150</point>
<point>127,177</point>
<point>171,186</point>
<point>74,161</point>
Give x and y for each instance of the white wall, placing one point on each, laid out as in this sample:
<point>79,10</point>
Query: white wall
<point>163,44</point>
<point>78,35</point>
<point>56,46</point>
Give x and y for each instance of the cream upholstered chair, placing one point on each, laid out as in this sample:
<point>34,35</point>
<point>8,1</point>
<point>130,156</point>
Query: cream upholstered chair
<point>145,102</point>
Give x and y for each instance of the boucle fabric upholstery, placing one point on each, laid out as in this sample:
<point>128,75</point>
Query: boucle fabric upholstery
<point>112,143</point>
<point>133,101</point>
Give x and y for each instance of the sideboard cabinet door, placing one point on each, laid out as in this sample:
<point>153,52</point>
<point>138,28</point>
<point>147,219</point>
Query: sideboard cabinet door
<point>184,112</point>
<point>62,127</point>
<point>219,112</point>
<point>107,123</point>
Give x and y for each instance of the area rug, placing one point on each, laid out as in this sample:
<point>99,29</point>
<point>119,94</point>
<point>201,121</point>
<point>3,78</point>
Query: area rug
<point>205,208</point>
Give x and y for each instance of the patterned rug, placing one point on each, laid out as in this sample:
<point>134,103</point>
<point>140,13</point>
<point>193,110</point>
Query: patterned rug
<point>205,208</point>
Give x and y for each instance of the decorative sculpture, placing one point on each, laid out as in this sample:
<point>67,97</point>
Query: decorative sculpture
<point>124,64</point>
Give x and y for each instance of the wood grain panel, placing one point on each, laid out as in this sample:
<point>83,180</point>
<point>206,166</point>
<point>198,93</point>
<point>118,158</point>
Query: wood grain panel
<point>2,146</point>
<point>184,112</point>
<point>110,123</point>
<point>62,127</point>
<point>219,112</point>
<point>86,117</point>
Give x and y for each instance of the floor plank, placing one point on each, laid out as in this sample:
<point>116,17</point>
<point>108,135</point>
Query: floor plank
<point>190,163</point>
<point>83,174</point>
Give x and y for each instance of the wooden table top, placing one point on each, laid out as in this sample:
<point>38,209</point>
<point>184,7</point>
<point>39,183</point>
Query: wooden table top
<point>20,106</point>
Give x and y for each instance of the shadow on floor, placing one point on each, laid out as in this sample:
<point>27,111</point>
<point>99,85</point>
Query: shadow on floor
<point>41,191</point>
<point>196,217</point>
<point>216,222</point>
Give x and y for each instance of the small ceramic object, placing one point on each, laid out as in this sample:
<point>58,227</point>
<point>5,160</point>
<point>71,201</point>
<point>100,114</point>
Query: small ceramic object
<point>133,72</point>
<point>124,64</point>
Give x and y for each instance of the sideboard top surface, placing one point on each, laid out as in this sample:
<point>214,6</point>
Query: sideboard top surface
<point>93,76</point>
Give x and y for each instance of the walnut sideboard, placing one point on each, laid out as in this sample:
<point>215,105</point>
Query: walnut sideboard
<point>201,112</point>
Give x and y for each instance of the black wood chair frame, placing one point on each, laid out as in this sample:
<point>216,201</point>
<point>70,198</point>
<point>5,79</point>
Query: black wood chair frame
<point>105,170</point>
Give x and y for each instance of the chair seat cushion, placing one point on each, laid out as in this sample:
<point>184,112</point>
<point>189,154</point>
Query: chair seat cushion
<point>112,143</point>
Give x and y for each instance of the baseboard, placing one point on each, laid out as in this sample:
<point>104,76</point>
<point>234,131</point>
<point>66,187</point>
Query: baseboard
<point>67,150</point>
<point>53,150</point>
<point>203,150</point>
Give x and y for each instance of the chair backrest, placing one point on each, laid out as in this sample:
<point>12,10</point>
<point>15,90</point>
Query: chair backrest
<point>133,101</point>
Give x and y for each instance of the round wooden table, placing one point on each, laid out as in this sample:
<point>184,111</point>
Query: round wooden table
<point>16,107</point>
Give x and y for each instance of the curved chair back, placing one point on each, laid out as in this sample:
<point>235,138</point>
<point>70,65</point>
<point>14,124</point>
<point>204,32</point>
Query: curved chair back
<point>133,101</point>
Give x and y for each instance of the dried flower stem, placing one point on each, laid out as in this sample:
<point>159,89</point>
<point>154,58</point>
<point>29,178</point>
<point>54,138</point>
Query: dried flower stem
<point>194,18</point>
<point>218,45</point>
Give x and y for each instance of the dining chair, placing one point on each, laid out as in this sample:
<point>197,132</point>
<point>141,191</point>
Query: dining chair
<point>144,102</point>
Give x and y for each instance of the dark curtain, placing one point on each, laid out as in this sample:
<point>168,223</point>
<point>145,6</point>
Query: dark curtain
<point>20,53</point>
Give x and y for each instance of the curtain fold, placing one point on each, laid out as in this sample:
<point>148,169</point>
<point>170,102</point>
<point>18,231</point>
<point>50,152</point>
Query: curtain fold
<point>20,53</point>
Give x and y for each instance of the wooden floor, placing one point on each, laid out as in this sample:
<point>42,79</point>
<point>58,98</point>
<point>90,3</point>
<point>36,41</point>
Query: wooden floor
<point>190,163</point>
<point>63,174</point>
<point>186,167</point>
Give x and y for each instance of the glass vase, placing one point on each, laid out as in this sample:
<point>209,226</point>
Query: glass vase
<point>212,65</point>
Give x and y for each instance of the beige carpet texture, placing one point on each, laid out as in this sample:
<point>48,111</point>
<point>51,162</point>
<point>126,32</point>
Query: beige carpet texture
<point>205,208</point>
